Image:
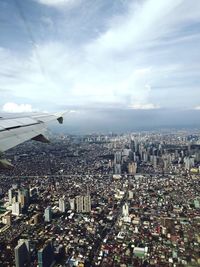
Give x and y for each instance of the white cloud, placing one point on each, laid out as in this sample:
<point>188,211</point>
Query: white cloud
<point>17,108</point>
<point>115,68</point>
<point>57,3</point>
<point>143,23</point>
<point>144,106</point>
<point>197,108</point>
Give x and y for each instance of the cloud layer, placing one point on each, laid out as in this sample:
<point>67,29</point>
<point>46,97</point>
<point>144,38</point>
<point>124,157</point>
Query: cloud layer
<point>142,55</point>
<point>16,108</point>
<point>57,3</point>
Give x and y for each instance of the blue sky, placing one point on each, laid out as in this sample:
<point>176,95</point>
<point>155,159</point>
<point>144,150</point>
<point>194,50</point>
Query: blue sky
<point>99,55</point>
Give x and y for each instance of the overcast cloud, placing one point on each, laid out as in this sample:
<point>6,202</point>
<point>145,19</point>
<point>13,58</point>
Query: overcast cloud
<point>119,55</point>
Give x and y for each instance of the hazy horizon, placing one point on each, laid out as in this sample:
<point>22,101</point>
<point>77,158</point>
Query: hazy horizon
<point>104,121</point>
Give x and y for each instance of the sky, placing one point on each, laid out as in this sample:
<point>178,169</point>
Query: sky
<point>117,64</point>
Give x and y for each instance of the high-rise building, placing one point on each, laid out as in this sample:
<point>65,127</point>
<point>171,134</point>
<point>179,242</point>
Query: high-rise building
<point>46,255</point>
<point>132,168</point>
<point>125,210</point>
<point>136,145</point>
<point>21,195</point>
<point>145,156</point>
<point>24,197</point>
<point>22,255</point>
<point>72,203</point>
<point>48,214</point>
<point>11,195</point>
<point>117,168</point>
<point>132,145</point>
<point>62,205</point>
<point>130,194</point>
<point>118,157</point>
<point>125,213</point>
<point>189,162</point>
<point>154,162</point>
<point>16,208</point>
<point>117,162</point>
<point>83,204</point>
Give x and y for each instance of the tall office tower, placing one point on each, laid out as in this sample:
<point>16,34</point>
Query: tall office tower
<point>166,165</point>
<point>72,203</point>
<point>110,163</point>
<point>27,243</point>
<point>130,194</point>
<point>154,162</point>
<point>125,210</point>
<point>132,145</point>
<point>118,157</point>
<point>87,203</point>
<point>141,150</point>
<point>11,195</point>
<point>22,253</point>
<point>83,204</point>
<point>134,156</point>
<point>145,156</point>
<point>46,255</point>
<point>132,168</point>
<point>16,208</point>
<point>24,197</point>
<point>62,205</point>
<point>79,203</point>
<point>136,145</point>
<point>189,163</point>
<point>48,214</point>
<point>189,148</point>
<point>197,155</point>
<point>117,169</point>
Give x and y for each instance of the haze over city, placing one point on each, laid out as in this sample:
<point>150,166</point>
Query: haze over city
<point>126,64</point>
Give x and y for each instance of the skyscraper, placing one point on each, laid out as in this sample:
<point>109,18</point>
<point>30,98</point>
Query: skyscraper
<point>10,195</point>
<point>117,169</point>
<point>72,203</point>
<point>132,168</point>
<point>48,214</point>
<point>23,197</point>
<point>83,204</point>
<point>125,210</point>
<point>62,205</point>
<point>22,256</point>
<point>117,162</point>
<point>125,213</point>
<point>46,255</point>
<point>16,208</point>
<point>118,157</point>
<point>132,145</point>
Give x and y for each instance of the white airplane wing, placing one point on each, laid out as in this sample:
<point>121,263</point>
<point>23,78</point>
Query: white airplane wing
<point>14,131</point>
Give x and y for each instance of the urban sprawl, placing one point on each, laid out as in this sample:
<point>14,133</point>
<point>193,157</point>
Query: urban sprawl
<point>125,200</point>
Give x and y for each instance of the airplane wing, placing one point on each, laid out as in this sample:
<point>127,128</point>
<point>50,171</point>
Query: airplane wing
<point>14,131</point>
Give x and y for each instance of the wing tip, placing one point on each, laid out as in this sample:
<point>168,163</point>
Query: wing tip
<point>60,119</point>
